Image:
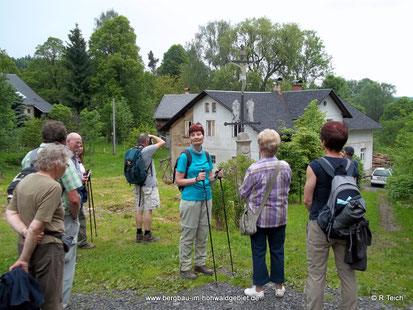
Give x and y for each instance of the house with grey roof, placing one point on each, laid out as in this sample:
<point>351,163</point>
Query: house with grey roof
<point>272,109</point>
<point>35,105</point>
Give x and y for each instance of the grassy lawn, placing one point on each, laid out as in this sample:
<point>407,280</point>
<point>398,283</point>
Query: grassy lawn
<point>119,263</point>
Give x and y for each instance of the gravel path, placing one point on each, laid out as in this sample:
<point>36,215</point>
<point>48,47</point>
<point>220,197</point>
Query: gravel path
<point>210,297</point>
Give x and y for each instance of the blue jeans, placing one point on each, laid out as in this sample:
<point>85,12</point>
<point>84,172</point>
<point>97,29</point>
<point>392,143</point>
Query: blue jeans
<point>276,238</point>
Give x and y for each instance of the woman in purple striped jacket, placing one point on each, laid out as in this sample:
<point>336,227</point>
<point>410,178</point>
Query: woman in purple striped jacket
<point>273,218</point>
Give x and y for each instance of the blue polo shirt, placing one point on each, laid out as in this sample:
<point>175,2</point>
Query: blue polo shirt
<point>195,192</point>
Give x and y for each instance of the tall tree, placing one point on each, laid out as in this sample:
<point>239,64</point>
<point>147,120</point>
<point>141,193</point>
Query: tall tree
<point>312,63</point>
<point>273,50</point>
<point>118,70</point>
<point>173,60</point>
<point>109,14</point>
<point>152,62</point>
<point>7,64</point>
<point>77,63</point>
<point>45,74</point>
<point>374,97</point>
<point>195,74</point>
<point>339,85</point>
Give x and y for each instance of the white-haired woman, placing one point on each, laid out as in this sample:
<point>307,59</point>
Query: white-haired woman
<point>36,214</point>
<point>273,218</point>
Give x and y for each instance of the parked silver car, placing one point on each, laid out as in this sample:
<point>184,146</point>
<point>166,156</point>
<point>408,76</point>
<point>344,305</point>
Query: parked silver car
<point>379,176</point>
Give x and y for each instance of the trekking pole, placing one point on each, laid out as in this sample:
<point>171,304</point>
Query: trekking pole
<point>90,211</point>
<point>209,227</point>
<point>226,224</point>
<point>93,205</point>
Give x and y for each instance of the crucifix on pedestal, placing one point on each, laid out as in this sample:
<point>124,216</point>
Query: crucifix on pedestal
<point>242,64</point>
<point>243,140</point>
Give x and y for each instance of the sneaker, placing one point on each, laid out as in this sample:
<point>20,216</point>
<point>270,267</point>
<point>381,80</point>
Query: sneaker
<point>251,292</point>
<point>87,246</point>
<point>139,238</point>
<point>188,274</point>
<point>149,238</point>
<point>280,292</point>
<point>204,269</point>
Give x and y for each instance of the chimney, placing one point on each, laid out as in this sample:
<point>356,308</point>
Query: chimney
<point>186,89</point>
<point>297,85</point>
<point>277,85</point>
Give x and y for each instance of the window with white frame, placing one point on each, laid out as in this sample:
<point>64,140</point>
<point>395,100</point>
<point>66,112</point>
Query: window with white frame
<point>210,128</point>
<point>187,124</point>
<point>214,106</point>
<point>206,106</point>
<point>363,154</point>
<point>213,159</point>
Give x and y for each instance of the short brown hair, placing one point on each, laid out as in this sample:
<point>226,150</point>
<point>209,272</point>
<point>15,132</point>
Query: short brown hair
<point>54,131</point>
<point>335,135</point>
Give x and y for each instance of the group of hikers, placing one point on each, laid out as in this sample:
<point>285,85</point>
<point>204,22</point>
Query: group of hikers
<point>45,206</point>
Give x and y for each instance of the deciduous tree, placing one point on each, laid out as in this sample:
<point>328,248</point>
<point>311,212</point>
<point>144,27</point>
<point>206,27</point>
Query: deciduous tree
<point>45,74</point>
<point>173,60</point>
<point>7,64</point>
<point>118,70</point>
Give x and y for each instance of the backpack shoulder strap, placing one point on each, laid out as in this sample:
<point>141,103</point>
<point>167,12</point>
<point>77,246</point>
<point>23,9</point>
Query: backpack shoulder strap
<point>349,167</point>
<point>188,160</point>
<point>207,156</point>
<point>327,167</point>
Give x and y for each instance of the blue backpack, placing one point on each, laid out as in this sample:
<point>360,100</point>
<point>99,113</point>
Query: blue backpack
<point>134,169</point>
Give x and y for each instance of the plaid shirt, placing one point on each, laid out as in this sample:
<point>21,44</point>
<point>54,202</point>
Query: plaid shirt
<point>69,181</point>
<point>257,177</point>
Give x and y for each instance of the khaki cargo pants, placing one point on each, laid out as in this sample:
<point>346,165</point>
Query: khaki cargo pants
<point>317,256</point>
<point>194,228</point>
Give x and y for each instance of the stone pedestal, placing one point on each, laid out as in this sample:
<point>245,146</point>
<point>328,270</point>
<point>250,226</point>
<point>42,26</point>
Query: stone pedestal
<point>244,144</point>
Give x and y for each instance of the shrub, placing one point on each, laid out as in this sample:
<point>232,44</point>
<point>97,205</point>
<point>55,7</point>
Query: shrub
<point>31,134</point>
<point>234,172</point>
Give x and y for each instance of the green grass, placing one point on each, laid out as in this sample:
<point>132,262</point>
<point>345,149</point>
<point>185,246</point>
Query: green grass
<point>118,263</point>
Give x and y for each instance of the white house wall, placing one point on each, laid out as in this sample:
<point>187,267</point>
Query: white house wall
<point>223,144</point>
<point>359,139</point>
<point>330,107</point>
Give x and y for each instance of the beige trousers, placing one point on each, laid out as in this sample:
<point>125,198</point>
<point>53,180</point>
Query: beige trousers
<point>194,228</point>
<point>317,257</point>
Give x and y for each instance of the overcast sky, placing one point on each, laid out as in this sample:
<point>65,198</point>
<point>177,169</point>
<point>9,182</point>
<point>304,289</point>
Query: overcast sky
<point>366,38</point>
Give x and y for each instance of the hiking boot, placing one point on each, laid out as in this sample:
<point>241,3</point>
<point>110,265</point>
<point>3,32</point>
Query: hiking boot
<point>139,238</point>
<point>204,269</point>
<point>149,238</point>
<point>87,246</point>
<point>188,274</point>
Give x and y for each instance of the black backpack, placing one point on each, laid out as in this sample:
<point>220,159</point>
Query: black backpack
<point>21,175</point>
<point>134,169</point>
<point>345,207</point>
<point>188,163</point>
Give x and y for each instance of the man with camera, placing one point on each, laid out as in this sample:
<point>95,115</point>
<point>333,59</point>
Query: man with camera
<point>147,195</point>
